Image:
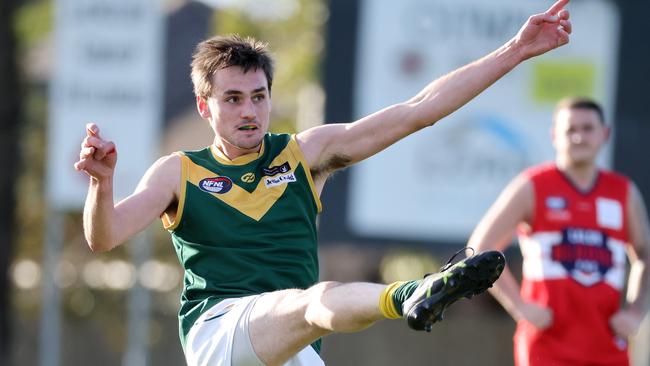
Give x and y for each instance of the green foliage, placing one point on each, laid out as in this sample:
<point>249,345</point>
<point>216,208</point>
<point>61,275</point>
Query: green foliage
<point>296,44</point>
<point>29,182</point>
<point>33,21</point>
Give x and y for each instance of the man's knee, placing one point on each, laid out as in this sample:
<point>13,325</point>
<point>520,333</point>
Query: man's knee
<point>317,313</point>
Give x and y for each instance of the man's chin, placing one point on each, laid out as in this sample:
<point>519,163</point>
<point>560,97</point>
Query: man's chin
<point>250,144</point>
<point>583,160</point>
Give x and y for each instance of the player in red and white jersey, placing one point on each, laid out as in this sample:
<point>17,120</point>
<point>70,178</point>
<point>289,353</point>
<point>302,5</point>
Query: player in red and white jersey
<point>576,224</point>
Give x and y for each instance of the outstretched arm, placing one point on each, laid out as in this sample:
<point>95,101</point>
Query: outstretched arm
<point>333,146</point>
<point>107,225</point>
<point>627,321</point>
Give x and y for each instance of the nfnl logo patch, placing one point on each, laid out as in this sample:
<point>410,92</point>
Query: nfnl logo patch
<point>557,209</point>
<point>218,185</point>
<point>556,203</point>
<point>280,179</point>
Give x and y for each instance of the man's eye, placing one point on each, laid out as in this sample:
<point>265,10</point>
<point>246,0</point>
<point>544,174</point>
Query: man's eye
<point>232,99</point>
<point>258,98</point>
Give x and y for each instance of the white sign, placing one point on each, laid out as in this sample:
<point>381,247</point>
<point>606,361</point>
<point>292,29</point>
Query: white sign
<point>108,70</point>
<point>436,184</point>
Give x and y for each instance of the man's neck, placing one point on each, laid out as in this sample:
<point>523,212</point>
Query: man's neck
<point>232,152</point>
<point>582,175</point>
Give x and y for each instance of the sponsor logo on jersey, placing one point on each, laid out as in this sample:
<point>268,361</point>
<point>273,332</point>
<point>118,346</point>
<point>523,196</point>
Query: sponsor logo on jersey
<point>218,185</point>
<point>278,169</point>
<point>609,213</point>
<point>279,179</point>
<point>556,203</point>
<point>584,254</point>
<point>248,178</point>
<point>557,208</point>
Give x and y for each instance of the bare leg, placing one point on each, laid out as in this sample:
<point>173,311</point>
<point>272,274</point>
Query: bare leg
<point>284,322</point>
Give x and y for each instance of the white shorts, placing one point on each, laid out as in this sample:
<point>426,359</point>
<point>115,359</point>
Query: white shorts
<point>220,338</point>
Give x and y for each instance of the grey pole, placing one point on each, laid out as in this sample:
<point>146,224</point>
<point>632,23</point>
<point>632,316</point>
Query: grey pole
<point>50,329</point>
<point>139,305</point>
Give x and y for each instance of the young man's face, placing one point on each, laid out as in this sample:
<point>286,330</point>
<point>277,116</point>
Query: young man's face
<point>239,108</point>
<point>578,135</point>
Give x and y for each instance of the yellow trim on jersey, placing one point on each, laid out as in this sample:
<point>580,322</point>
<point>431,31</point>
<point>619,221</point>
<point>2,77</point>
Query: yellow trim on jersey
<point>254,204</point>
<point>170,223</point>
<point>293,145</point>
<point>219,156</point>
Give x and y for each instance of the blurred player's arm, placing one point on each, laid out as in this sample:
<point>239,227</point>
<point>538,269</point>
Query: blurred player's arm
<point>334,146</point>
<point>107,225</point>
<point>628,320</point>
<point>495,231</point>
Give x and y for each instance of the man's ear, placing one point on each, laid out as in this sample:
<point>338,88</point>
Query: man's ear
<point>203,108</point>
<point>608,133</point>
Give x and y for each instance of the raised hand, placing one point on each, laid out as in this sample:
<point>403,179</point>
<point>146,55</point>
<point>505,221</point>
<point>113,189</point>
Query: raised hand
<point>544,32</point>
<point>97,157</point>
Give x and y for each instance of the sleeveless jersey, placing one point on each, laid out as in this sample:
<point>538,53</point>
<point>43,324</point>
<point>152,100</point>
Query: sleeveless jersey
<point>574,258</point>
<point>245,226</point>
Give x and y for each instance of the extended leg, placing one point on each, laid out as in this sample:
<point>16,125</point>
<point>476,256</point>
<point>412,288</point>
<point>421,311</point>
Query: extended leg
<point>284,322</point>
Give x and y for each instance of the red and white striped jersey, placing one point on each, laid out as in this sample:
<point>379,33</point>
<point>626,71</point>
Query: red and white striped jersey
<point>574,262</point>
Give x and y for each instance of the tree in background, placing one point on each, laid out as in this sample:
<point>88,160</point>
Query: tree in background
<point>9,118</point>
<point>294,32</point>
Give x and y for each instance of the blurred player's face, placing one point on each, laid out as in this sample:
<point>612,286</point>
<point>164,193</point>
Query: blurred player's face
<point>238,110</point>
<point>578,135</point>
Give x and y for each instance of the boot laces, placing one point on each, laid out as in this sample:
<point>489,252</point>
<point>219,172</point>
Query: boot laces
<point>449,264</point>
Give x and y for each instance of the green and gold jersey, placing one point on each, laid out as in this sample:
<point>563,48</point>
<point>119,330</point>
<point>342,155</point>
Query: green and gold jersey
<point>244,226</point>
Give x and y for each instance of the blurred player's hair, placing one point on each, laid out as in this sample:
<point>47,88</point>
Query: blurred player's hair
<point>579,103</point>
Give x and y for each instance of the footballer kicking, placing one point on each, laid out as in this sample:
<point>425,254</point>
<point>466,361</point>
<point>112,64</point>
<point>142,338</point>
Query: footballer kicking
<point>242,212</point>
